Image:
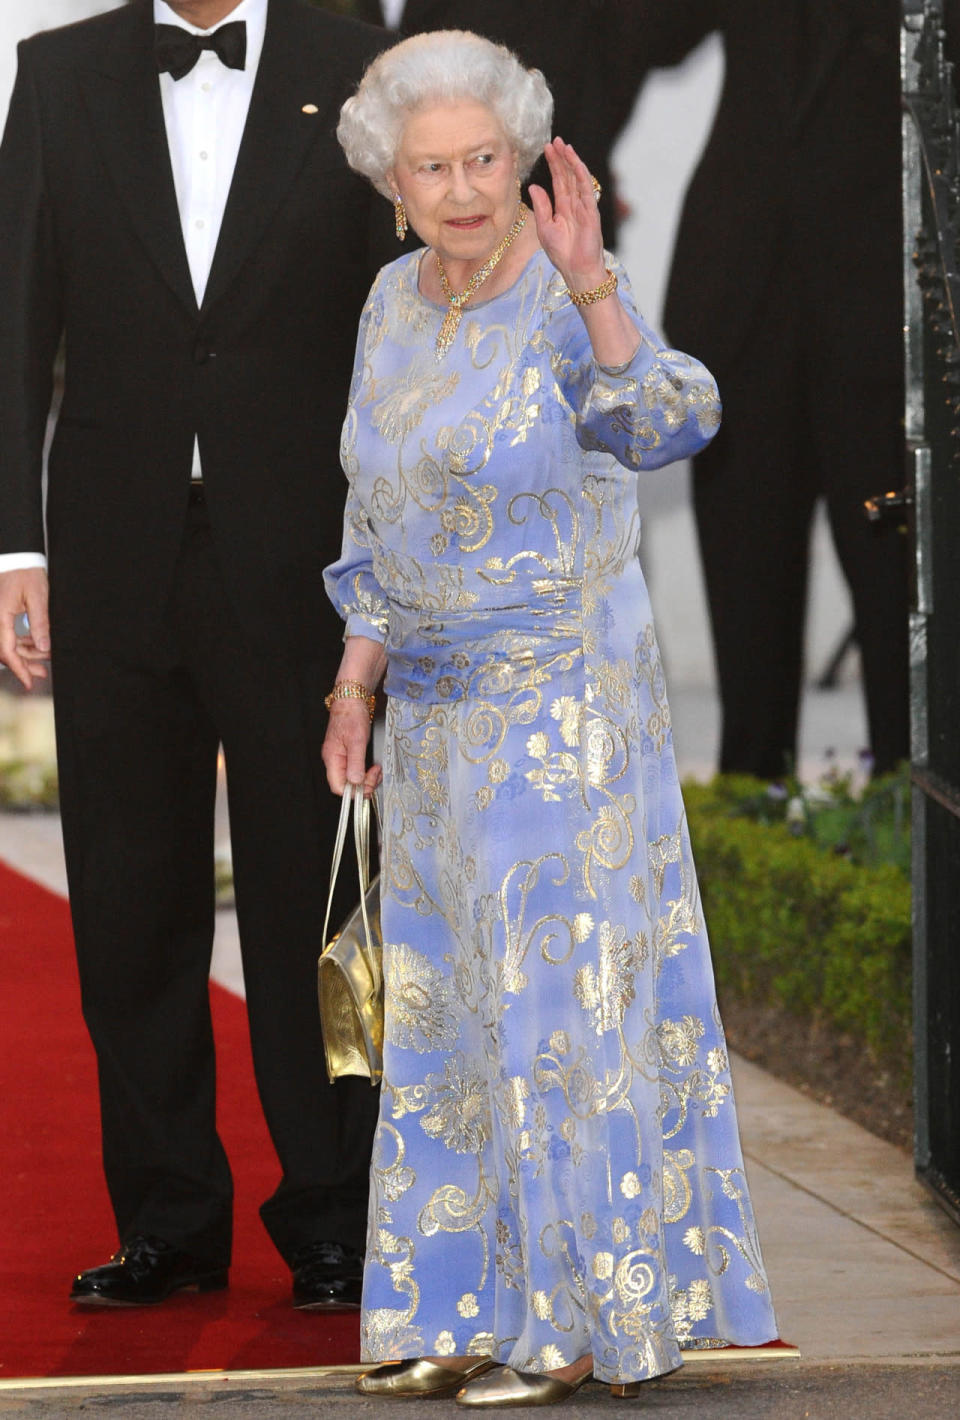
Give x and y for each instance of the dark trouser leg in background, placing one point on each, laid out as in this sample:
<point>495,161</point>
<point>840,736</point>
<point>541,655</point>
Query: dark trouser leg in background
<point>270,715</point>
<point>138,777</point>
<point>753,498</point>
<point>863,447</point>
<point>138,749</point>
<point>796,427</point>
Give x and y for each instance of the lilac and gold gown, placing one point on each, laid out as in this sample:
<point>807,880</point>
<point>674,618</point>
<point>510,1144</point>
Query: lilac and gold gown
<point>557,1169</point>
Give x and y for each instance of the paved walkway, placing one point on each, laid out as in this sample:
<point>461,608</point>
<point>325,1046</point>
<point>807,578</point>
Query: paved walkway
<point>865,1267</point>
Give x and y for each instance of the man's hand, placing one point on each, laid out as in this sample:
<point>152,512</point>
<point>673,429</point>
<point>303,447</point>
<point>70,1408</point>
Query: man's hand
<point>25,591</point>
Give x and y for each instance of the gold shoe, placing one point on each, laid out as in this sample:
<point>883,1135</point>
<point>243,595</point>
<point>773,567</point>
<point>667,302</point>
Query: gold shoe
<point>509,1387</point>
<point>415,1377</point>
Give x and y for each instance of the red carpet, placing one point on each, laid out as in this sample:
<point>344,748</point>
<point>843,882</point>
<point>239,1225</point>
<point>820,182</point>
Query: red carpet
<point>56,1217</point>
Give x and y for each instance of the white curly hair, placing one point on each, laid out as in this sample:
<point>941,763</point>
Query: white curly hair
<point>442,66</point>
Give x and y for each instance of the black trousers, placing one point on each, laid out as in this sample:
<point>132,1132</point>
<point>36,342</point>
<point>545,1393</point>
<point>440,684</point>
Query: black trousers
<point>800,421</point>
<point>138,739</point>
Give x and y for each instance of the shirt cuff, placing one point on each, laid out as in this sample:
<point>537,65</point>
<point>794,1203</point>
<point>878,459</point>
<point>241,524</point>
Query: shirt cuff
<point>19,561</point>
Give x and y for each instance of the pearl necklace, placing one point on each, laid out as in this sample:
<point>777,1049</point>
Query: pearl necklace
<point>458,299</point>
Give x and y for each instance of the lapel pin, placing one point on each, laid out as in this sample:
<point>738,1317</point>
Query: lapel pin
<point>309,108</point>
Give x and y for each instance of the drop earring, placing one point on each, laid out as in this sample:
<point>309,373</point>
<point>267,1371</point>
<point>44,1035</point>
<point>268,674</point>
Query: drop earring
<point>399,217</point>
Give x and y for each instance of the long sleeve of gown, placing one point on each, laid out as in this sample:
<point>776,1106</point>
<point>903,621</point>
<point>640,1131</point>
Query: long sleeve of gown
<point>351,582</point>
<point>659,407</point>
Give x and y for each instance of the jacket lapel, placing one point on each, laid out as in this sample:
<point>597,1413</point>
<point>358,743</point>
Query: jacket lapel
<point>276,139</point>
<point>121,94</point>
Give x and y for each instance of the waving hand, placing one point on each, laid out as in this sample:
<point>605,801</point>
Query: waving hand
<point>569,228</point>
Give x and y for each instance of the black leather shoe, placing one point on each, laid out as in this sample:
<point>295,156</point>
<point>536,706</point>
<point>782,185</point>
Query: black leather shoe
<point>327,1275</point>
<point>144,1272</point>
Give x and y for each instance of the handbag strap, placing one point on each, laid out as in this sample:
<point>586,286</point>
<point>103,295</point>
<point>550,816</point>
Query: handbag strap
<point>354,798</point>
<point>361,839</point>
<point>361,831</point>
<point>345,803</point>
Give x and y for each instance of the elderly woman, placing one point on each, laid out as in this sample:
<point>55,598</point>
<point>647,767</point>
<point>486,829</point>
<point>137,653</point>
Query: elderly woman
<point>557,1183</point>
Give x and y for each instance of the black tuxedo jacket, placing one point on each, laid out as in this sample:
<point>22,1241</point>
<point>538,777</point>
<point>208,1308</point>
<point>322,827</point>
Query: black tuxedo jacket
<point>91,246</point>
<point>570,41</point>
<point>802,166</point>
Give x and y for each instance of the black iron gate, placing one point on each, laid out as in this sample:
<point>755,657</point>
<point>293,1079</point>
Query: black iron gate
<point>931,145</point>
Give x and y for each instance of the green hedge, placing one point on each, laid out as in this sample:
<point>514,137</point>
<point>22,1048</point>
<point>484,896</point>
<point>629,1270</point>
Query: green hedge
<point>870,825</point>
<point>802,929</point>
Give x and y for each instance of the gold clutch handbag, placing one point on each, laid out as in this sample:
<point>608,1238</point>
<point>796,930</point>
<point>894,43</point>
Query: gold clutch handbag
<point>350,969</point>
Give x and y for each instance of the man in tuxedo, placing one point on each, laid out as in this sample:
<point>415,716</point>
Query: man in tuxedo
<point>174,202</point>
<point>787,282</point>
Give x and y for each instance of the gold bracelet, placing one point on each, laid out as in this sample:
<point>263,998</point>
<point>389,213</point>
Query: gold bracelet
<point>599,293</point>
<point>352,690</point>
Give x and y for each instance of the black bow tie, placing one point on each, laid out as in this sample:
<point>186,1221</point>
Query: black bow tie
<point>178,50</point>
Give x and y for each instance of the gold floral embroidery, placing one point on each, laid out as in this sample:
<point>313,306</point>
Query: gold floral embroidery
<point>677,1194</point>
<point>603,1265</point>
<point>387,1332</point>
<point>421,1005</point>
<point>509,1257</point>
<point>568,711</point>
<point>394,1178</point>
<point>399,411</point>
<point>694,1239</point>
<point>719,1241</point>
<point>678,1040</point>
<point>582,927</point>
<point>551,1358</point>
<point>558,770</point>
<point>407,1099</point>
<point>606,991</point>
<point>459,1115</point>
<point>512,1100</point>
<point>689,1306</point>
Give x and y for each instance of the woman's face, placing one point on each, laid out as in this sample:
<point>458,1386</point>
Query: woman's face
<point>457,175</point>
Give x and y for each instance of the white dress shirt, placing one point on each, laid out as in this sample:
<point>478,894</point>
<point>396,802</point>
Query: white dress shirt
<point>205,113</point>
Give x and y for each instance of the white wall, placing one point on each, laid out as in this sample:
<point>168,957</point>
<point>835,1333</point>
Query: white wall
<point>19,18</point>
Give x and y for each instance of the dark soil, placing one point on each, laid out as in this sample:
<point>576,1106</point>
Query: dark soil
<point>829,1067</point>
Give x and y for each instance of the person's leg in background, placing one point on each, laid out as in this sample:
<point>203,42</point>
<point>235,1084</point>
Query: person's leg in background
<point>282,824</point>
<point>137,756</point>
<point>754,493</point>
<point>861,437</point>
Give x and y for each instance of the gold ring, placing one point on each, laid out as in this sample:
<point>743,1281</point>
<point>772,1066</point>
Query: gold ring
<point>597,189</point>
